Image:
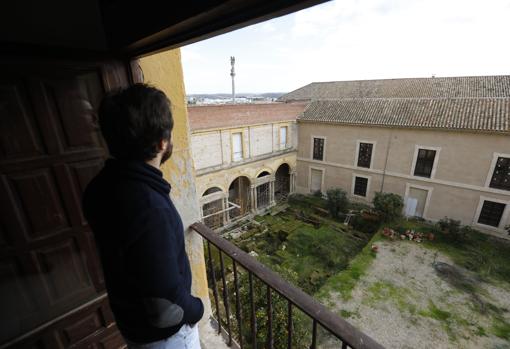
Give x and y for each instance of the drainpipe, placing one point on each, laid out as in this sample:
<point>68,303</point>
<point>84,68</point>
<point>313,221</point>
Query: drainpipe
<point>386,160</point>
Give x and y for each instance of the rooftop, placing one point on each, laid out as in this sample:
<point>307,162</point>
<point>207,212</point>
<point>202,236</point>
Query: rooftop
<point>231,115</point>
<point>470,114</point>
<point>437,87</point>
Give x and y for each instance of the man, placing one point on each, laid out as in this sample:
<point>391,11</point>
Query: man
<point>138,231</point>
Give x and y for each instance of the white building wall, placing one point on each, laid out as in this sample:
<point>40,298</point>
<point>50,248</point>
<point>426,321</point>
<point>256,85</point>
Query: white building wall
<point>261,139</point>
<point>206,148</point>
<point>213,148</point>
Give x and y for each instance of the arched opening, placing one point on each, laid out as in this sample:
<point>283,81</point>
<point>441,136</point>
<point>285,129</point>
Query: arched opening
<point>263,192</point>
<point>239,194</point>
<point>282,182</point>
<point>212,208</point>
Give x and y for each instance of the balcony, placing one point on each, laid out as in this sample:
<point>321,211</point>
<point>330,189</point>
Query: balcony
<point>240,334</point>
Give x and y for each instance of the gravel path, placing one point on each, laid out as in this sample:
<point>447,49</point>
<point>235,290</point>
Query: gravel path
<point>400,298</point>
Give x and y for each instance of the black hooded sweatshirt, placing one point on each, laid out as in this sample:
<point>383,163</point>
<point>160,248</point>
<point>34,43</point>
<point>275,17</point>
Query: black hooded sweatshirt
<point>140,238</point>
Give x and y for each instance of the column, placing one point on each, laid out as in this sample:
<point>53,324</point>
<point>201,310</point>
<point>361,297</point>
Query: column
<point>226,214</point>
<point>292,186</point>
<point>272,202</point>
<point>253,195</point>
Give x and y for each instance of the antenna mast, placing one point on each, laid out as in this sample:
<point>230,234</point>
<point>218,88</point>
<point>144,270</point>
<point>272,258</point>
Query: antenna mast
<point>233,74</point>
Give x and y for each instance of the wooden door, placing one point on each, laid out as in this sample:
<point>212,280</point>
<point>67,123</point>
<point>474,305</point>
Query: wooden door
<point>52,291</point>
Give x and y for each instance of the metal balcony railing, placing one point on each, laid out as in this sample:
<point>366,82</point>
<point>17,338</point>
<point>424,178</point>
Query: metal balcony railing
<point>348,335</point>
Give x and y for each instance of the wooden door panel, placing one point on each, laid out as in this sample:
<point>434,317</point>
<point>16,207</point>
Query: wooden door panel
<point>51,284</point>
<point>20,137</point>
<point>72,102</point>
<point>63,271</point>
<point>39,203</point>
<point>16,301</point>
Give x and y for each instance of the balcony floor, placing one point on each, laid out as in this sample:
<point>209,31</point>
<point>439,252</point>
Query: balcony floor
<point>209,337</point>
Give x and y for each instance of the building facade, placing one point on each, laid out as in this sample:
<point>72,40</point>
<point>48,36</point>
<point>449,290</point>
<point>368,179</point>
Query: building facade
<point>245,157</point>
<point>442,144</point>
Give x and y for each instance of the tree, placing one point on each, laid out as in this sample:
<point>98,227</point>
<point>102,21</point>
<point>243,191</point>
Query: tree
<point>388,205</point>
<point>337,201</point>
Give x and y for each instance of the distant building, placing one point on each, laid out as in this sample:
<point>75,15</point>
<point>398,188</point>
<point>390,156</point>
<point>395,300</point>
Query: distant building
<point>443,144</point>
<point>245,157</point>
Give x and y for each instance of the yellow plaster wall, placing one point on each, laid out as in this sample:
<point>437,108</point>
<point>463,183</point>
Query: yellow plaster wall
<point>164,71</point>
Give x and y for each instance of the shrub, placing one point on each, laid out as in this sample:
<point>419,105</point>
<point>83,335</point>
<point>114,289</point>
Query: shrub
<point>317,193</point>
<point>452,229</point>
<point>368,226</point>
<point>337,201</point>
<point>388,205</point>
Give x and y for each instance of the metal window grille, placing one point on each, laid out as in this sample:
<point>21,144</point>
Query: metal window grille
<point>501,175</point>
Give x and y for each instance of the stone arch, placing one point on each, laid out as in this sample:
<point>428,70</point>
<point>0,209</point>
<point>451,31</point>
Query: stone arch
<point>240,195</point>
<point>213,207</point>
<point>282,186</point>
<point>211,190</point>
<point>265,169</point>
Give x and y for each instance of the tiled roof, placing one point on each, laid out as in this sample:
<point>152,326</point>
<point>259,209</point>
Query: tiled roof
<point>484,114</point>
<point>444,87</point>
<point>232,115</point>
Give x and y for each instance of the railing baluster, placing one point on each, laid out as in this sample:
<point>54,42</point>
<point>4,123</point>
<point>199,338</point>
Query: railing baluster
<point>225,298</point>
<point>314,335</point>
<point>269,318</point>
<point>253,318</point>
<point>289,325</point>
<point>238,306</point>
<point>215,291</point>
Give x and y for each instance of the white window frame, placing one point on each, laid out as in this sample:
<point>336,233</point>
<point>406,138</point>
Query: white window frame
<point>285,143</point>
<point>323,151</point>
<point>356,157</point>
<point>369,179</point>
<point>415,158</point>
<point>504,216</point>
<point>494,161</point>
<point>323,170</point>
<point>427,200</point>
<point>234,159</point>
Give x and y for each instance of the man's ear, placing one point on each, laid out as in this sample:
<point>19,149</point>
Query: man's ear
<point>162,144</point>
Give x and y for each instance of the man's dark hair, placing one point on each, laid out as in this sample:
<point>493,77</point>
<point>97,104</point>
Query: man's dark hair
<point>134,120</point>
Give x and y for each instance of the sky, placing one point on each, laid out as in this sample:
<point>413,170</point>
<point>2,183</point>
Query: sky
<point>355,40</point>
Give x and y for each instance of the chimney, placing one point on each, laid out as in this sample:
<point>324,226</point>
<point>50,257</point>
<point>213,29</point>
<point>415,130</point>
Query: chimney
<point>233,74</point>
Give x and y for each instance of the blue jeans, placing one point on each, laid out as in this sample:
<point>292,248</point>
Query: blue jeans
<point>186,338</point>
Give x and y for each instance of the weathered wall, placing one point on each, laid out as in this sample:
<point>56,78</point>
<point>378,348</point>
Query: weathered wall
<point>164,71</point>
<point>206,149</point>
<point>213,148</point>
<point>464,164</point>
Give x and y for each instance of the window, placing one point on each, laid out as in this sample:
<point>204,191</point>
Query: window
<point>424,163</point>
<point>365,154</point>
<point>501,175</point>
<point>283,137</point>
<point>237,146</point>
<point>360,186</point>
<point>491,213</point>
<point>318,149</point>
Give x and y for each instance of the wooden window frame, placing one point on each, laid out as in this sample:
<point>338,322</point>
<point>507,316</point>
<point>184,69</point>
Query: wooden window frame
<point>353,186</point>
<point>323,148</point>
<point>434,165</point>
<point>504,217</point>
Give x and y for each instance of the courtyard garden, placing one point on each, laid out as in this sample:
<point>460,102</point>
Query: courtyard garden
<point>406,283</point>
